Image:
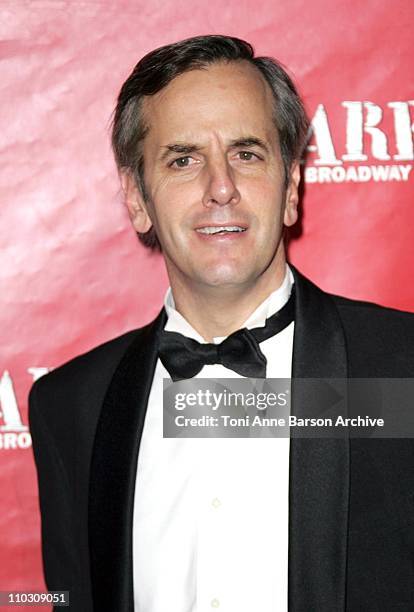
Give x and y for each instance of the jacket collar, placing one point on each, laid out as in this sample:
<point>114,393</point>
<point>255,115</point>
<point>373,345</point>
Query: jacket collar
<point>113,472</point>
<point>319,469</point>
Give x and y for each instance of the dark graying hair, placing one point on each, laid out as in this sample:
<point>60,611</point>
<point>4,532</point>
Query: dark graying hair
<point>158,68</point>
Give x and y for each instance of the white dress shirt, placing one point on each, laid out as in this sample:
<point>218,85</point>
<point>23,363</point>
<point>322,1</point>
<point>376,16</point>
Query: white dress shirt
<point>210,528</point>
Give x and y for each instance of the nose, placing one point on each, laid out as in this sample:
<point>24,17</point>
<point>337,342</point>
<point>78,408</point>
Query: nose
<point>221,188</point>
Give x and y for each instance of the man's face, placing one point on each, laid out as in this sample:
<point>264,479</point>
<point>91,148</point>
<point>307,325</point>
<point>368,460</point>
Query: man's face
<point>212,160</point>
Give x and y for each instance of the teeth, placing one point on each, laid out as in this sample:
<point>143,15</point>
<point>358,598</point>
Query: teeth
<point>216,230</point>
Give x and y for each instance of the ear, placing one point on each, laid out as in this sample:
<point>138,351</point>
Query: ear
<point>135,202</point>
<point>292,196</point>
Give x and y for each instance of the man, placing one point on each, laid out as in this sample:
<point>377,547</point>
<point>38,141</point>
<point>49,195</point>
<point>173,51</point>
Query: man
<point>208,141</point>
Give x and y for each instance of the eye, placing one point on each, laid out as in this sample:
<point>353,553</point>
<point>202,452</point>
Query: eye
<point>182,162</point>
<point>247,155</point>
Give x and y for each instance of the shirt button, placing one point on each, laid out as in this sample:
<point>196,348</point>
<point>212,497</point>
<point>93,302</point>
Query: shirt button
<point>215,603</point>
<point>216,503</point>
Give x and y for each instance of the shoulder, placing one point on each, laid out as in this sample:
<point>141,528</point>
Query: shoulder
<point>362,315</point>
<point>81,383</point>
<point>65,404</point>
<point>87,367</point>
<point>357,316</point>
<point>379,340</point>
<point>383,337</point>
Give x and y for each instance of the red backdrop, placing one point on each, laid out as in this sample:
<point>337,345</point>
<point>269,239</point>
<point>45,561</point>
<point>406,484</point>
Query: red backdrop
<point>72,271</point>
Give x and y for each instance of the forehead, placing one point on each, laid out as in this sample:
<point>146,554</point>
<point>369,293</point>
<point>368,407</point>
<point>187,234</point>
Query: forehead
<point>229,99</point>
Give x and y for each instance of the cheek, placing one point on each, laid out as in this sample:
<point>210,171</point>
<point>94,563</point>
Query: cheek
<point>176,205</point>
<point>266,182</point>
<point>266,202</point>
<point>171,218</point>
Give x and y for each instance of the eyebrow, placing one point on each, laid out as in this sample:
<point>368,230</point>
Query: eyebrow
<point>187,148</point>
<point>249,141</point>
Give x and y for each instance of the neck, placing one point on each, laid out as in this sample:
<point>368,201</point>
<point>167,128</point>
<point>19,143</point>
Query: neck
<point>220,311</point>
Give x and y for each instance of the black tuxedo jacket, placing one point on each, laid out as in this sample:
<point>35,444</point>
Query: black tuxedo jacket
<point>351,502</point>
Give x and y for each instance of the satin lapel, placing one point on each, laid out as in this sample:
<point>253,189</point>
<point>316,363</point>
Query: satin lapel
<point>319,468</point>
<point>113,473</point>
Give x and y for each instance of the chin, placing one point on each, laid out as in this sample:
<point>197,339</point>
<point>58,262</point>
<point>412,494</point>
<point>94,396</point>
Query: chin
<point>224,277</point>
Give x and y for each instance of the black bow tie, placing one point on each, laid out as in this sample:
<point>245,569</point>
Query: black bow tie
<point>184,357</point>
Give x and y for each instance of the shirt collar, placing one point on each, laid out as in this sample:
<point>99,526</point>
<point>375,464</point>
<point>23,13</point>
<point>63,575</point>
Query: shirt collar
<point>274,302</point>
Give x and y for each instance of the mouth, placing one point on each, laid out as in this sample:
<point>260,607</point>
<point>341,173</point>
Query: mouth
<point>221,230</point>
